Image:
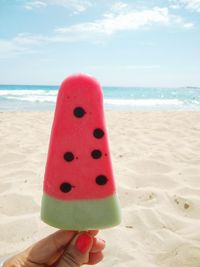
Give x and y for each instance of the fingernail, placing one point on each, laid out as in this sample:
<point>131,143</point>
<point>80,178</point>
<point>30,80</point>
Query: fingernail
<point>100,239</point>
<point>83,243</point>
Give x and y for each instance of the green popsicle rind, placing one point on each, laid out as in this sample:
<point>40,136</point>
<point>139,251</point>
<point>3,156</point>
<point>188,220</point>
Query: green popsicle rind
<point>80,215</point>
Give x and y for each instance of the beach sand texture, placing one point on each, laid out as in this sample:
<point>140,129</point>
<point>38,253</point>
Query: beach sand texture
<point>156,160</point>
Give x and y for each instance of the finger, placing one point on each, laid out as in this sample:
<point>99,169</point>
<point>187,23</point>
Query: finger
<point>77,252</point>
<point>45,249</point>
<point>94,258</point>
<point>98,245</point>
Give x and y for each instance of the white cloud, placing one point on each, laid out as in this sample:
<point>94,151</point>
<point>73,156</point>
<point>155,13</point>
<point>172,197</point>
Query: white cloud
<point>27,43</point>
<point>193,5</point>
<point>22,43</point>
<point>35,4</point>
<point>131,20</point>
<point>118,7</point>
<point>94,31</point>
<point>188,25</point>
<point>112,23</point>
<point>180,21</point>
<point>76,5</point>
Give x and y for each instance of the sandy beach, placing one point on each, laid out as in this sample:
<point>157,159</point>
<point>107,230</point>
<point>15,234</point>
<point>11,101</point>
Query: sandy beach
<point>156,161</point>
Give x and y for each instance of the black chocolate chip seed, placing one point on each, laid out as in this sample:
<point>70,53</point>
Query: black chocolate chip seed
<point>98,133</point>
<point>68,156</point>
<point>66,187</point>
<point>101,180</point>
<point>96,154</point>
<point>79,112</point>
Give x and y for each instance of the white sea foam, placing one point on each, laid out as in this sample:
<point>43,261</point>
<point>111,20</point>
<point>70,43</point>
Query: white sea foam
<point>30,95</point>
<point>8,98</point>
<point>50,96</point>
<point>33,98</point>
<point>28,92</point>
<point>143,102</point>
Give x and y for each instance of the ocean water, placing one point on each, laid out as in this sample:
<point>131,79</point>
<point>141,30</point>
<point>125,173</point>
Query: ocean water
<point>40,97</point>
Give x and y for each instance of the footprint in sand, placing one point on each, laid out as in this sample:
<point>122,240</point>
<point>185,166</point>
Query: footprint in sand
<point>13,204</point>
<point>184,204</point>
<point>188,206</point>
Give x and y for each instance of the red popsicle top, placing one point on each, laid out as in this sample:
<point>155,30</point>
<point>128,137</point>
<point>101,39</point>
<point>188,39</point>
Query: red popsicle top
<point>78,164</point>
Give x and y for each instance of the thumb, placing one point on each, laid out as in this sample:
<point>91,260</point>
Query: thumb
<point>77,252</point>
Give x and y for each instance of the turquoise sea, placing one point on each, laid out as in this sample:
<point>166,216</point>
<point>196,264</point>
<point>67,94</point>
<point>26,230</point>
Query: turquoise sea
<point>40,97</point>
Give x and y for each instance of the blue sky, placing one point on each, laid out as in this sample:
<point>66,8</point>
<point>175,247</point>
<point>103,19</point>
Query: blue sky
<point>121,43</point>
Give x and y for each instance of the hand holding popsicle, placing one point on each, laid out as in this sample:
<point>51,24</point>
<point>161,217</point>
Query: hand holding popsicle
<point>61,249</point>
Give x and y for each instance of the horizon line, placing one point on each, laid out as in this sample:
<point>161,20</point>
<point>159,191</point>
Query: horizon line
<point>117,86</point>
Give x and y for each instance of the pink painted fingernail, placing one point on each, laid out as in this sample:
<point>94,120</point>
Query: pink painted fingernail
<point>83,243</point>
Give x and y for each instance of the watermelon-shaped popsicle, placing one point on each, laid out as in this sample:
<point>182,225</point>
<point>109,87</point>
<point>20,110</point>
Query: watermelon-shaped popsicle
<point>79,190</point>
